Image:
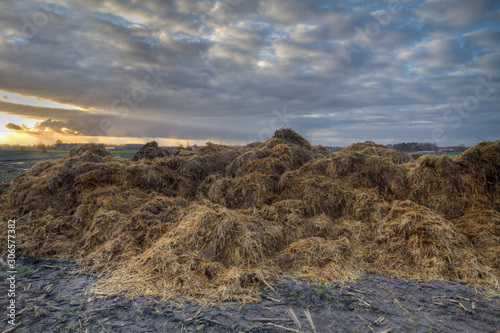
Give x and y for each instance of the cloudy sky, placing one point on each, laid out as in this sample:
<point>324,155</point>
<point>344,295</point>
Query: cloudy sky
<point>121,71</point>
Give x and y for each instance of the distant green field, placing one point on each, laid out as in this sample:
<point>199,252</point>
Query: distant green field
<point>119,152</point>
<point>441,153</point>
<point>116,152</point>
<point>57,151</point>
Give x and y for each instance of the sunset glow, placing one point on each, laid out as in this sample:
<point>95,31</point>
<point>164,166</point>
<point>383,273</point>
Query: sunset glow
<point>10,136</point>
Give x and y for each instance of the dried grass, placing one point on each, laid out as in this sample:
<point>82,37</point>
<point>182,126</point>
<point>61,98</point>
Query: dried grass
<point>149,151</point>
<point>415,242</point>
<point>222,222</point>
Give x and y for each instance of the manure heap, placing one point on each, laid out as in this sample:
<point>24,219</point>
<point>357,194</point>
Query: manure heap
<point>222,222</point>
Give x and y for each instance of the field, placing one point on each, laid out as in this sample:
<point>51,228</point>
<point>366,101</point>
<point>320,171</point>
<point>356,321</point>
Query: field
<point>244,225</point>
<point>15,162</point>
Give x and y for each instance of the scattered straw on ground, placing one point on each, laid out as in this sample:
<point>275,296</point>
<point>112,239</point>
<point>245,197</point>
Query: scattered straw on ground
<point>222,222</point>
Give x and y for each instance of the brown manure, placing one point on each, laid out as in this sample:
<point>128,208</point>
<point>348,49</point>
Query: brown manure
<point>149,151</point>
<point>222,222</point>
<point>416,242</point>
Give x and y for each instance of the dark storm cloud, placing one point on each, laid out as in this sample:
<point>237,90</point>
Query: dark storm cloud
<point>223,67</point>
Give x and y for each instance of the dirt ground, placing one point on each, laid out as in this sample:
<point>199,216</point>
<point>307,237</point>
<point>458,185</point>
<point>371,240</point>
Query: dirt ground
<point>52,296</point>
<point>13,163</point>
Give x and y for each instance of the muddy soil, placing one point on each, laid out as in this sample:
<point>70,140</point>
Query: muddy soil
<point>52,296</point>
<point>13,163</point>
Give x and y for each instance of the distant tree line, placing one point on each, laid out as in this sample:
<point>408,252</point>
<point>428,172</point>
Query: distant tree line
<point>460,148</point>
<point>414,146</point>
<point>334,149</point>
<point>424,146</point>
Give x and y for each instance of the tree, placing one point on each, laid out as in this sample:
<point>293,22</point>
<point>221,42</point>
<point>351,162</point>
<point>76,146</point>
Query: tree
<point>41,146</point>
<point>58,144</point>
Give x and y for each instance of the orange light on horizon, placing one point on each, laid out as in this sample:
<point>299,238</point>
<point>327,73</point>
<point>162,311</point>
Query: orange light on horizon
<point>7,134</point>
<point>11,135</point>
<point>49,138</point>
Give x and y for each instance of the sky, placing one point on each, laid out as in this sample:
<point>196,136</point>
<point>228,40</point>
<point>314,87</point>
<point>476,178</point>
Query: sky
<point>234,71</point>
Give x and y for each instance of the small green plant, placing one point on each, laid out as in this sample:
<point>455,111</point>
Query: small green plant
<point>71,326</point>
<point>25,270</point>
<point>300,297</point>
<point>318,288</point>
<point>21,271</point>
<point>324,293</point>
<point>74,309</point>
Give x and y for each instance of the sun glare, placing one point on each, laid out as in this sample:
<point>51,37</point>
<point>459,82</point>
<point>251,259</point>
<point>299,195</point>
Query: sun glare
<point>8,134</point>
<point>11,135</point>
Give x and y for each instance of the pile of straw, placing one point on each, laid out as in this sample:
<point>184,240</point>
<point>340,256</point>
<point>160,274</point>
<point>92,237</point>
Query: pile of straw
<point>150,151</point>
<point>222,222</point>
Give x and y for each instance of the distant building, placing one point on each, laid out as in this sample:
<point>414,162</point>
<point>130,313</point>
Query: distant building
<point>5,147</point>
<point>110,148</point>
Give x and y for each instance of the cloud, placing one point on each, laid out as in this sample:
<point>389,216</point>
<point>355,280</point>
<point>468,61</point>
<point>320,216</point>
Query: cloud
<point>54,127</point>
<point>437,56</point>
<point>441,15</point>
<point>37,112</point>
<point>14,127</point>
<point>226,65</point>
<point>483,37</point>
